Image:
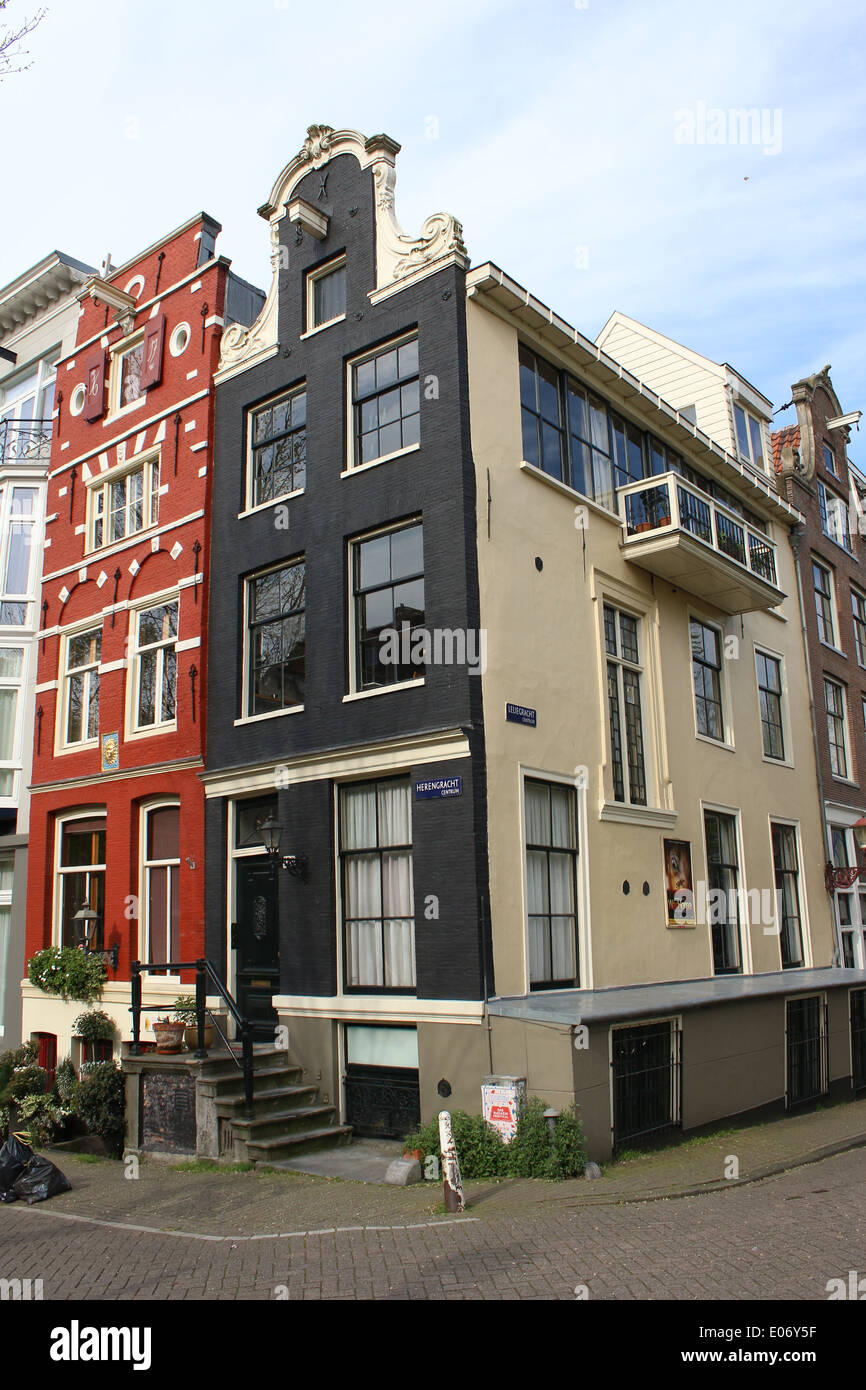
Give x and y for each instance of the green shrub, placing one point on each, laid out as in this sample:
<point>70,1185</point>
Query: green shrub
<point>68,972</point>
<point>92,1025</point>
<point>482,1153</point>
<point>66,1085</point>
<point>100,1103</point>
<point>41,1118</point>
<point>26,1081</point>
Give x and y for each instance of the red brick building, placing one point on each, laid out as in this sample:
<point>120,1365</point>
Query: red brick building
<point>117,805</point>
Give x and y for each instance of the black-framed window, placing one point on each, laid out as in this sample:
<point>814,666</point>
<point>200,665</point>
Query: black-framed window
<point>387,598</point>
<point>386,401</point>
<point>707,675</point>
<point>542,414</point>
<point>858,612</point>
<point>837,736</point>
<point>278,448</point>
<point>786,866</point>
<point>822,583</point>
<point>551,875</point>
<point>377,890</point>
<point>723,879</point>
<point>624,671</point>
<point>769,673</point>
<point>276,638</point>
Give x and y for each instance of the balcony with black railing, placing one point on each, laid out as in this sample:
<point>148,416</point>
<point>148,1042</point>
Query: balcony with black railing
<point>25,441</point>
<point>675,530</point>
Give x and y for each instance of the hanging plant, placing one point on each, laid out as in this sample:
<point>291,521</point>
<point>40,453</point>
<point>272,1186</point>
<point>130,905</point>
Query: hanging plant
<point>67,972</point>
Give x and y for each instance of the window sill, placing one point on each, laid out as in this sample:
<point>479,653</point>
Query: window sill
<point>270,714</point>
<point>837,651</point>
<point>569,491</point>
<point>110,547</point>
<point>716,742</point>
<point>84,747</point>
<point>777,762</point>
<point>320,327</point>
<point>374,463</point>
<point>383,690</point>
<point>151,733</point>
<point>275,502</point>
<point>627,814</point>
<point>845,781</point>
<point>123,410</point>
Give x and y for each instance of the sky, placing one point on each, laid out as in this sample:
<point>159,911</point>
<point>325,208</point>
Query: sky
<point>585,145</point>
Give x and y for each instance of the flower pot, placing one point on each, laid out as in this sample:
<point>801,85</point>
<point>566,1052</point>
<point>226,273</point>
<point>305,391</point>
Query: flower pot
<point>190,1035</point>
<point>169,1036</point>
<point>414,1153</point>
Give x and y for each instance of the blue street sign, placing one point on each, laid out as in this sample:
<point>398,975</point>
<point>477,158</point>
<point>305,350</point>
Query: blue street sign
<point>520,714</point>
<point>438,786</point>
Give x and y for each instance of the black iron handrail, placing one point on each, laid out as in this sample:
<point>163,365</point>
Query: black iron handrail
<point>204,971</point>
<point>24,439</point>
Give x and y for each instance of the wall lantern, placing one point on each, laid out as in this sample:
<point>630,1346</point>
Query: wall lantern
<point>843,878</point>
<point>89,918</point>
<point>272,833</point>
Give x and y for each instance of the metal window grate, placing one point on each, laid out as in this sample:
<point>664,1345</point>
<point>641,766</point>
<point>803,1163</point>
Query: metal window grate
<point>806,1049</point>
<point>646,1064</point>
<point>858,1038</point>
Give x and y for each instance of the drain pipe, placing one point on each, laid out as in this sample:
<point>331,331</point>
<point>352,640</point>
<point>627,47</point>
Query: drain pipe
<point>795,537</point>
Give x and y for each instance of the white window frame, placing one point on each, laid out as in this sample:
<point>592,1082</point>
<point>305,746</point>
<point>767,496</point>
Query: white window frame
<point>118,352</point>
<point>759,649</point>
<point>145,864</point>
<point>353,465</point>
<point>250,506</point>
<point>857,596</point>
<point>17,683</point>
<point>60,741</point>
<point>582,903</point>
<point>147,464</point>
<point>640,669</point>
<point>313,276</point>
<point>354,691</point>
<point>846,732</point>
<point>246,686</point>
<point>134,730</point>
<point>834,610</point>
<point>60,824</point>
<point>835,521</point>
<point>35,520</point>
<point>749,457</point>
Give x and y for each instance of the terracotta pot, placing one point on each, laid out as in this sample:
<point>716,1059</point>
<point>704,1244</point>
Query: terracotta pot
<point>190,1036</point>
<point>169,1036</point>
<point>414,1153</point>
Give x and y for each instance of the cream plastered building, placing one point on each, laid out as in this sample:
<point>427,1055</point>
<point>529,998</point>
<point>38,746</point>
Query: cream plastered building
<point>664,1021</point>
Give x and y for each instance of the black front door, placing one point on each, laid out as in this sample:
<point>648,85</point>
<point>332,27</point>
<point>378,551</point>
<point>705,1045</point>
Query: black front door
<point>257,943</point>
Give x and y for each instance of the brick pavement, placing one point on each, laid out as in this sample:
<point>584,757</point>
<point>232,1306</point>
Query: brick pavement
<point>784,1237</point>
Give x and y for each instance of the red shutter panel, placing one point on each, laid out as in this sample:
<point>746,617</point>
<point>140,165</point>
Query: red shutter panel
<point>94,386</point>
<point>151,358</point>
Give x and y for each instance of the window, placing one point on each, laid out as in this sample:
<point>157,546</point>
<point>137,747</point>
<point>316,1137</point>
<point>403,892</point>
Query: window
<point>834,699</point>
<point>850,910</point>
<point>11,678</point>
<point>806,1048</point>
<point>81,687</point>
<point>723,896</point>
<point>551,878</point>
<point>590,445</point>
<point>707,674</point>
<point>128,366</point>
<point>786,865</point>
<point>124,506</point>
<point>19,511</point>
<point>386,402</point>
<point>834,517</point>
<point>822,584</point>
<point>161,885</point>
<point>7,875</point>
<point>378,895</point>
<point>388,596</point>
<point>769,671</point>
<point>81,874</point>
<point>276,639</point>
<point>26,406</point>
<point>541,412</point>
<point>621,633</point>
<point>858,607</point>
<point>326,294</point>
<point>750,437</point>
<point>830,461</point>
<point>278,448</point>
<point>154,666</point>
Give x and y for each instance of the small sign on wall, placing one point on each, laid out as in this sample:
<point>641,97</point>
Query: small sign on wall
<point>110,752</point>
<point>438,787</point>
<point>521,714</point>
<point>679,886</point>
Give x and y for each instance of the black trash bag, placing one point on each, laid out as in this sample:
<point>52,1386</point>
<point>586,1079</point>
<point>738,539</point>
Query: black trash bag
<point>8,1194</point>
<point>40,1180</point>
<point>14,1157</point>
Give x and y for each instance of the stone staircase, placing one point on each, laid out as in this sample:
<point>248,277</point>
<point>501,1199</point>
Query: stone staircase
<point>288,1117</point>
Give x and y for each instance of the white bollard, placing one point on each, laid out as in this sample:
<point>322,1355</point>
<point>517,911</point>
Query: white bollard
<point>454,1200</point>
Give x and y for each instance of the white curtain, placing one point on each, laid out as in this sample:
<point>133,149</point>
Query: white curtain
<point>359,817</point>
<point>379,906</point>
<point>8,703</point>
<point>395,815</point>
<point>399,927</point>
<point>537,815</point>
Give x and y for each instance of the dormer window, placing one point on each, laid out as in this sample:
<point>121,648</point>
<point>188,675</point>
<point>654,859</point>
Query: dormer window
<point>129,366</point>
<point>326,294</point>
<point>750,437</point>
<point>830,461</point>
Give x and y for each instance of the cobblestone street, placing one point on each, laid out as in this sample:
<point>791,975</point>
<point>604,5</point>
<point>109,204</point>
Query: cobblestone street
<point>783,1237</point>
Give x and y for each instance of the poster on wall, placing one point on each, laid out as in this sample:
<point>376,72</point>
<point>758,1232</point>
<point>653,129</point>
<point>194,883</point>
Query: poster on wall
<point>678,883</point>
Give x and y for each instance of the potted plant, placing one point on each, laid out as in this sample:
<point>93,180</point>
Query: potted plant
<point>95,1030</point>
<point>184,1012</point>
<point>169,1034</point>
